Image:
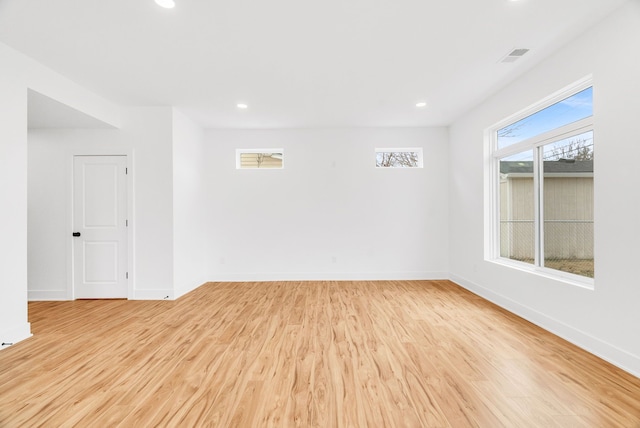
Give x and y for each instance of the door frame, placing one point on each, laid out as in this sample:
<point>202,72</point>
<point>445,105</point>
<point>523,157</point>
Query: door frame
<point>128,153</point>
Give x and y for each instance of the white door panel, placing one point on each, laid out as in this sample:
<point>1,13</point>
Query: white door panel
<point>99,217</point>
<point>100,194</point>
<point>100,262</point>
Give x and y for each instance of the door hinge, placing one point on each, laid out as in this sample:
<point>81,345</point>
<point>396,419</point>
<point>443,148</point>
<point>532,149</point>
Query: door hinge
<point>126,171</point>
<point>126,223</point>
<point>127,274</point>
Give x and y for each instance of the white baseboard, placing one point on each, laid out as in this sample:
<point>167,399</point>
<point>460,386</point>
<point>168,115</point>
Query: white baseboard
<point>40,295</point>
<point>15,334</point>
<point>162,294</point>
<point>327,276</point>
<point>608,352</point>
<point>184,290</point>
<point>49,295</point>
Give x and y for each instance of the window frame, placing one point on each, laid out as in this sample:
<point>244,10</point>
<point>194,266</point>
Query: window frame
<point>534,144</point>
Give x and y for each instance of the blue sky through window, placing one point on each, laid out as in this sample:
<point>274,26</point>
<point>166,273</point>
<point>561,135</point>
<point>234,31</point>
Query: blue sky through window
<point>569,110</point>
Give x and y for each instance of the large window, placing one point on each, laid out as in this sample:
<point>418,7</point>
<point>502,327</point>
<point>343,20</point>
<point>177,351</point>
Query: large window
<point>542,187</point>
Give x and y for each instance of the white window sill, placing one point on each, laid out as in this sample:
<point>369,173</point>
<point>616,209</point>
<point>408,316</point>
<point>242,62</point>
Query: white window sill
<point>563,277</point>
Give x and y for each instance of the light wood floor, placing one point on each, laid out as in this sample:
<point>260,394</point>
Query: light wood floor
<point>308,354</point>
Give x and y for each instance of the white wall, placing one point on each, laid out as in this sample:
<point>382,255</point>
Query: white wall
<point>146,138</point>
<point>13,202</point>
<point>146,135</point>
<point>149,131</point>
<point>329,214</point>
<point>17,73</point>
<point>189,215</point>
<point>49,216</point>
<point>605,320</point>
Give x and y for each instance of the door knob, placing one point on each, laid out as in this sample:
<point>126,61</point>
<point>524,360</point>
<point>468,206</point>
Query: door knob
<point>76,233</point>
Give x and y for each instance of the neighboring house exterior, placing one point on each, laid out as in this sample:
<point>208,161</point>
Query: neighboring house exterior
<point>567,204</point>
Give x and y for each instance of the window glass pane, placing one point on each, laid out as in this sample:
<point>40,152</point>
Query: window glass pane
<point>569,110</point>
<point>568,204</point>
<point>400,158</point>
<point>517,227</point>
<point>260,160</point>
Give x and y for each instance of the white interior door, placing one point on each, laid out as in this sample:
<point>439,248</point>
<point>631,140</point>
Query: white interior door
<point>100,227</point>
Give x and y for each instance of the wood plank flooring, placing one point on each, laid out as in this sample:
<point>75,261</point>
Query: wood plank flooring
<point>305,354</point>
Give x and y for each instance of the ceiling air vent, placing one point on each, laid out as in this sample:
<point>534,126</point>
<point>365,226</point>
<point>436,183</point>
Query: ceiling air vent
<point>514,55</point>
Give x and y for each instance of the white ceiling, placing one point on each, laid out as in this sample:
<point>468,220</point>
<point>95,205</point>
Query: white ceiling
<point>296,63</point>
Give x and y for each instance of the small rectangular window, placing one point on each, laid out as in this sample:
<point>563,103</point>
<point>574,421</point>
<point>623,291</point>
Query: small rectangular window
<point>259,158</point>
<point>399,158</point>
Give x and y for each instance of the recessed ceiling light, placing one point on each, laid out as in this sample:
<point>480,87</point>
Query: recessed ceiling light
<point>168,4</point>
<point>421,104</point>
<point>242,106</point>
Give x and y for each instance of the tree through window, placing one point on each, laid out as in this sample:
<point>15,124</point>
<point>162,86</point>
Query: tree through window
<point>399,158</point>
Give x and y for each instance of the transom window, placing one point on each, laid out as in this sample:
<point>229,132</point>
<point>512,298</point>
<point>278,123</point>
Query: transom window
<point>542,168</point>
<point>569,110</point>
<point>399,158</point>
<point>259,158</point>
